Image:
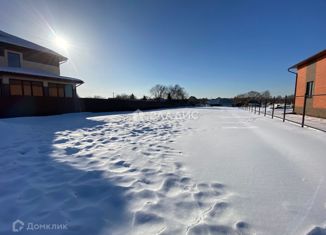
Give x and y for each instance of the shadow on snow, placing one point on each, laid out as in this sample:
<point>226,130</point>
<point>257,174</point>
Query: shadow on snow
<point>36,188</point>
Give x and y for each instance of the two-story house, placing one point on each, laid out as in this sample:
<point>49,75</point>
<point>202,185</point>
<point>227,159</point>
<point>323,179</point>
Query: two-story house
<point>311,84</point>
<point>28,69</point>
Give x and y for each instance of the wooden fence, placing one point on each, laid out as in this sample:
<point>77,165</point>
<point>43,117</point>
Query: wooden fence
<point>17,106</point>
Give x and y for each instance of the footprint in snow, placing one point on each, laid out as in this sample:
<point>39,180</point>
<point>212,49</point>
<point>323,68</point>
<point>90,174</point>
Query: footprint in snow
<point>122,164</point>
<point>60,141</point>
<point>71,150</point>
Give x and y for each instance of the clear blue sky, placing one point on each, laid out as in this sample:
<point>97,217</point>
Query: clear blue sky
<point>212,48</point>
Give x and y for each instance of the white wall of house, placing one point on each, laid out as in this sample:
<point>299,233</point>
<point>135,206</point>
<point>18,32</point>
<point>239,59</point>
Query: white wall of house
<point>30,64</point>
<point>42,67</point>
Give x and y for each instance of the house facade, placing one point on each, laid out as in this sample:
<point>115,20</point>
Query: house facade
<point>311,83</point>
<point>28,69</point>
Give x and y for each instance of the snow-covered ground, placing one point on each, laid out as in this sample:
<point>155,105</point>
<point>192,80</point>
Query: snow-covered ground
<point>180,171</point>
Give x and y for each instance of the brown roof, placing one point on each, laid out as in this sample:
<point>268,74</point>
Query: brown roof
<point>310,59</point>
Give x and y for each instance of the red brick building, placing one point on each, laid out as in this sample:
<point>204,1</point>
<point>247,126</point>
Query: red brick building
<point>311,82</point>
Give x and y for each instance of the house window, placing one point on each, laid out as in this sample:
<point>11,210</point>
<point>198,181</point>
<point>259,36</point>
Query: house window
<point>27,88</point>
<point>68,90</point>
<point>53,90</point>
<point>16,87</point>
<point>13,59</point>
<point>61,90</point>
<point>37,88</point>
<point>56,90</point>
<point>309,89</point>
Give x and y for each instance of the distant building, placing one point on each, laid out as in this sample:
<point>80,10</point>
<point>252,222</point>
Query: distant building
<point>28,69</point>
<point>311,82</point>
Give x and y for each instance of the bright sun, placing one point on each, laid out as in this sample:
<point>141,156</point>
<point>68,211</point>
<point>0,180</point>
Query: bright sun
<point>61,42</point>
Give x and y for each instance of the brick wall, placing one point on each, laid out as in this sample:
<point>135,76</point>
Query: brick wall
<point>316,72</point>
<point>301,86</point>
<point>319,102</point>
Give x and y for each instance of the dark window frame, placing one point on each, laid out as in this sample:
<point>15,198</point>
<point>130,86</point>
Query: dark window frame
<point>18,82</point>
<point>57,86</point>
<point>309,89</point>
<point>51,86</point>
<point>29,83</point>
<point>39,84</point>
<point>10,55</point>
<point>71,90</point>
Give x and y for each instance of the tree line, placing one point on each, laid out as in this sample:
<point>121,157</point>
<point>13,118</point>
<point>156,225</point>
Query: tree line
<point>159,92</point>
<point>175,92</point>
<point>257,97</point>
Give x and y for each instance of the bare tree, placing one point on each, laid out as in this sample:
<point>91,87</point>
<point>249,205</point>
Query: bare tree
<point>265,94</point>
<point>177,92</point>
<point>158,91</point>
<point>251,96</point>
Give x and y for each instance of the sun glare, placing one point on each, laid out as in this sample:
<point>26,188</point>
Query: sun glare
<point>61,42</point>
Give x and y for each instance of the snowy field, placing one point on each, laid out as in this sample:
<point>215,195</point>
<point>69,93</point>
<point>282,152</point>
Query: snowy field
<point>181,171</point>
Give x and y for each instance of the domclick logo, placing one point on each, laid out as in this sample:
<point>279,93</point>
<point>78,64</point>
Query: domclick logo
<point>17,226</point>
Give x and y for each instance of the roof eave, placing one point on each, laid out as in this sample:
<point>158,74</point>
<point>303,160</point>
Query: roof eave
<point>62,59</point>
<point>309,60</point>
<point>66,79</point>
<point>77,81</point>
